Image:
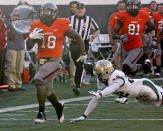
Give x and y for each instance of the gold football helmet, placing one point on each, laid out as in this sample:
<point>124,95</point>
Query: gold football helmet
<point>103,69</point>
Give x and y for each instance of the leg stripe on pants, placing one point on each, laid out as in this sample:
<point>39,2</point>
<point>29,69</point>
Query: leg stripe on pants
<point>137,58</point>
<point>53,73</point>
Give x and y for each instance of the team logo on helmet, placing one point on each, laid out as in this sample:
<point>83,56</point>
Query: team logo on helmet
<point>103,70</point>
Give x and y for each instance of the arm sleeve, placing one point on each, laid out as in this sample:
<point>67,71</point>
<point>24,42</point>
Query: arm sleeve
<point>146,17</point>
<point>91,106</point>
<point>111,21</point>
<point>94,25</point>
<point>66,25</point>
<point>121,16</point>
<point>111,89</point>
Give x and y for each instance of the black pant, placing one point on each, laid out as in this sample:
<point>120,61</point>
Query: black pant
<point>2,66</point>
<point>75,54</point>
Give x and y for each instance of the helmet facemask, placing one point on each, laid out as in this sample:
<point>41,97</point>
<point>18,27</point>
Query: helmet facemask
<point>133,7</point>
<point>48,13</point>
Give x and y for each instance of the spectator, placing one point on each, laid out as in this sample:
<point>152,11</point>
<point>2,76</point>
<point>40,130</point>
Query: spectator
<point>111,23</point>
<point>73,9</point>
<point>152,7</point>
<point>83,25</point>
<point>72,6</point>
<point>15,57</point>
<point>3,41</point>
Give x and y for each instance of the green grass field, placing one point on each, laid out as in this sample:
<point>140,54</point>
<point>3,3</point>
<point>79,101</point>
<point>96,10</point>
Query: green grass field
<point>108,116</point>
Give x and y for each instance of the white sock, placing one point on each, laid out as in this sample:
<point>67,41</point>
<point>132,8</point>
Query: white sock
<point>91,106</point>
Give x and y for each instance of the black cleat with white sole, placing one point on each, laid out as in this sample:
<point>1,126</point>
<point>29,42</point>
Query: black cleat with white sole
<point>41,118</point>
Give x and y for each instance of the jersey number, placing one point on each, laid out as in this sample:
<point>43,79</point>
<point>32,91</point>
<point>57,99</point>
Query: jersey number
<point>51,43</point>
<point>160,24</point>
<point>132,29</point>
<point>122,94</point>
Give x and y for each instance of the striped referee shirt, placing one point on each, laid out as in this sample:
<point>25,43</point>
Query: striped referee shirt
<point>83,25</point>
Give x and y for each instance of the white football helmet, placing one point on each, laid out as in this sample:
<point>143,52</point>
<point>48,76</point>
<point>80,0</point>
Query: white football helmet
<point>103,70</point>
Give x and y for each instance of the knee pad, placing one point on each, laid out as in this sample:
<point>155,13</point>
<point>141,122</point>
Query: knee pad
<point>126,69</point>
<point>38,82</point>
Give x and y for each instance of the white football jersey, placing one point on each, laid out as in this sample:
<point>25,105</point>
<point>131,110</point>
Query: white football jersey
<point>128,87</point>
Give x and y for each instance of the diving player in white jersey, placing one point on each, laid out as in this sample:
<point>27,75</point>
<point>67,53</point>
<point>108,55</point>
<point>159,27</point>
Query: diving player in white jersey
<point>110,81</point>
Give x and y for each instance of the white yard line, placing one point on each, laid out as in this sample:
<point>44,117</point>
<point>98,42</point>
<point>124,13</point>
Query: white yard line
<point>16,108</point>
<point>128,119</point>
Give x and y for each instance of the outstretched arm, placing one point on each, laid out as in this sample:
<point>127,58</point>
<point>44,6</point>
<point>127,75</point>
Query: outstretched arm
<point>74,35</point>
<point>95,99</point>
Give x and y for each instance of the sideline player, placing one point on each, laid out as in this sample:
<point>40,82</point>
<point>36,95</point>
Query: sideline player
<point>158,20</point>
<point>132,23</point>
<point>49,32</point>
<point>115,44</point>
<point>110,81</point>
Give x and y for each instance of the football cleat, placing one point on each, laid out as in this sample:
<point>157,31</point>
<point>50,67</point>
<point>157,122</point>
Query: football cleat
<point>157,74</point>
<point>76,91</point>
<point>59,111</point>
<point>122,100</point>
<point>41,118</point>
<point>81,118</point>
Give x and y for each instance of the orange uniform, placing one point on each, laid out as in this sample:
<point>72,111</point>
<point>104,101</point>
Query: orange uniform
<point>113,21</point>
<point>133,27</point>
<point>51,47</point>
<point>158,19</point>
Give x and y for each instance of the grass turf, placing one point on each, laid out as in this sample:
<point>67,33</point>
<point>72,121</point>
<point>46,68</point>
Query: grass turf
<point>108,116</point>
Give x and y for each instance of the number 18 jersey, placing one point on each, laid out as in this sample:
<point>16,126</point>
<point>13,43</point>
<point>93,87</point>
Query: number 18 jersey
<point>133,27</point>
<point>51,45</point>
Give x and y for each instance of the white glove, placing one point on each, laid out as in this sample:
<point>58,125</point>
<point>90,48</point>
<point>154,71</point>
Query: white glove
<point>82,58</point>
<point>36,34</point>
<point>122,100</point>
<point>81,118</point>
<point>124,38</point>
<point>97,94</point>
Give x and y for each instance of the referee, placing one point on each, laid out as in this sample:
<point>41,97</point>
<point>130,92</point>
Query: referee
<point>83,24</point>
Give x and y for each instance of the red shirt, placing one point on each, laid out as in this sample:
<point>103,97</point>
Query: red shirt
<point>133,27</point>
<point>113,21</point>
<point>51,47</point>
<point>158,19</point>
<point>3,34</point>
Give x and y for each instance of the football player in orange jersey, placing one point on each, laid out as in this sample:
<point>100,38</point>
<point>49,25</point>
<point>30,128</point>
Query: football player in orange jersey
<point>49,32</point>
<point>115,44</point>
<point>158,20</point>
<point>132,22</point>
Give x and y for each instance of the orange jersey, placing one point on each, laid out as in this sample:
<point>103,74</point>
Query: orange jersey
<point>51,47</point>
<point>113,20</point>
<point>158,19</point>
<point>133,27</point>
